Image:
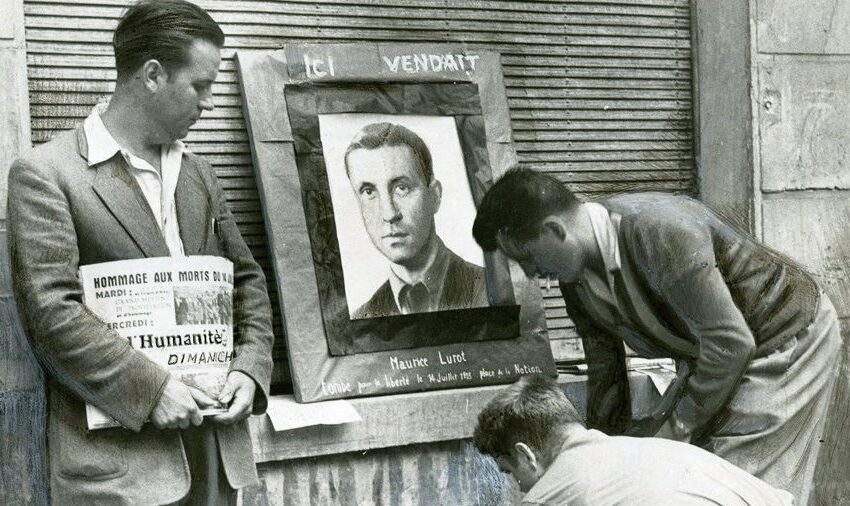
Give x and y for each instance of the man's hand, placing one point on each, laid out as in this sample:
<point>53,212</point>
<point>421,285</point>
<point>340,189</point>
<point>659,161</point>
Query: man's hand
<point>177,407</point>
<point>238,395</point>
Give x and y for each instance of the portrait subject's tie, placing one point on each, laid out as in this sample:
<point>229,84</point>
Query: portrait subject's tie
<point>417,298</point>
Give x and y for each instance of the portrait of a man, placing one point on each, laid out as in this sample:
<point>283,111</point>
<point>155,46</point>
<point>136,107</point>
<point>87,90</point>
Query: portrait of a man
<point>396,193</point>
<point>391,173</point>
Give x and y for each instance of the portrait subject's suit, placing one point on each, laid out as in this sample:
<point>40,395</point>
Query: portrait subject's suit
<point>761,339</point>
<point>464,287</point>
<point>63,214</point>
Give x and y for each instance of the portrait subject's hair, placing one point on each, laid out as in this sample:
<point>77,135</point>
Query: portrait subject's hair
<point>517,204</point>
<point>527,412</point>
<point>376,135</point>
<point>161,30</point>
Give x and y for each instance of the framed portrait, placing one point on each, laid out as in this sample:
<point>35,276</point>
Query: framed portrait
<point>370,195</point>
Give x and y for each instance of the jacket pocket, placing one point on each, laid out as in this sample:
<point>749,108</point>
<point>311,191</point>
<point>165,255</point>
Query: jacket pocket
<point>91,455</point>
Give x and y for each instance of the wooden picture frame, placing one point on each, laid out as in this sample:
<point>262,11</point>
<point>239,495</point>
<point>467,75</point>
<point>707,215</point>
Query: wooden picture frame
<point>284,93</point>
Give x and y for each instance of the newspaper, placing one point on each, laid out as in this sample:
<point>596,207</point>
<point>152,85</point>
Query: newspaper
<point>176,310</point>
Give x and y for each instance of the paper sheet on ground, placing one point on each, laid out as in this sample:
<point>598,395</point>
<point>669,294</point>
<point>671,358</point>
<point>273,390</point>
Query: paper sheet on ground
<point>286,414</point>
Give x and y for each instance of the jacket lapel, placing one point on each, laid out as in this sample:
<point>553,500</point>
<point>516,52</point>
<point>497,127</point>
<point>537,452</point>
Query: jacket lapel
<point>642,314</point>
<point>120,193</point>
<point>193,208</point>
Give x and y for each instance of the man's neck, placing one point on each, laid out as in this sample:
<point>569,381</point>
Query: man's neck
<point>555,441</point>
<point>414,271</point>
<point>129,125</point>
<point>593,259</point>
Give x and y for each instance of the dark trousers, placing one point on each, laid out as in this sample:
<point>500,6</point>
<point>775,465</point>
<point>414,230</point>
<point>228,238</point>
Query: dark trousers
<point>209,485</point>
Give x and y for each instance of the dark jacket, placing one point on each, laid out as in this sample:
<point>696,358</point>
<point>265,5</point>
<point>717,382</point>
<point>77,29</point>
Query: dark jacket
<point>465,287</point>
<point>701,291</point>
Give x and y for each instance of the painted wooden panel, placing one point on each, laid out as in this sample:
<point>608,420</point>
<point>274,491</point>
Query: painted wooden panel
<point>7,22</point>
<point>804,106</point>
<point>812,228</point>
<point>810,26</point>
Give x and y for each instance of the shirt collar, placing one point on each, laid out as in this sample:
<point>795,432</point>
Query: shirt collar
<point>432,277</point>
<point>102,145</point>
<point>605,230</point>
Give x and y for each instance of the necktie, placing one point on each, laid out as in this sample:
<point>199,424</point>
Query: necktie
<point>417,298</point>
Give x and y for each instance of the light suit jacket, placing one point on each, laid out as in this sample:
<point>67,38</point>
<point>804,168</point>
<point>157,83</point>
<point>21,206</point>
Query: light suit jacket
<point>63,214</point>
<point>694,289</point>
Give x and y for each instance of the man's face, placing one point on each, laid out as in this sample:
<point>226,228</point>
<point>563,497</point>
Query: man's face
<point>396,204</point>
<point>186,91</point>
<point>549,255</point>
<point>524,474</point>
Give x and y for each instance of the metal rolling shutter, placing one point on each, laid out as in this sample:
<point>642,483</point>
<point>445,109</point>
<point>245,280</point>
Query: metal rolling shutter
<point>599,90</point>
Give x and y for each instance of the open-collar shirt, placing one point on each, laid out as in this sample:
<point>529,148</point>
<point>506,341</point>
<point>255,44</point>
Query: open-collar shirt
<point>597,292</point>
<point>158,188</point>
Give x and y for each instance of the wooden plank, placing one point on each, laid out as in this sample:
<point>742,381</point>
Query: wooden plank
<point>14,103</point>
<point>558,118</point>
<point>812,227</point>
<point>442,415</point>
<point>9,20</point>
<point>562,140</point>
<point>524,130</point>
<point>623,41</point>
<point>822,27</point>
<point>618,62</point>
<point>803,123</point>
<point>450,473</point>
<point>626,9</point>
<point>575,30</point>
<point>599,105</point>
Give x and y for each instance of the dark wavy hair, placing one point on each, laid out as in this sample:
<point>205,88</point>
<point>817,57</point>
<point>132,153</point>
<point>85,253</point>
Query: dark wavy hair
<point>527,412</point>
<point>516,206</point>
<point>376,135</point>
<point>161,30</point>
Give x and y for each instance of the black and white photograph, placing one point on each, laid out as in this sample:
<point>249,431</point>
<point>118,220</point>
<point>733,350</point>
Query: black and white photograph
<point>479,252</point>
<point>404,213</point>
<point>195,306</point>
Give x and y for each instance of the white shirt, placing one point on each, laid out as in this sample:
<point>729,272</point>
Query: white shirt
<point>158,189</point>
<point>593,469</point>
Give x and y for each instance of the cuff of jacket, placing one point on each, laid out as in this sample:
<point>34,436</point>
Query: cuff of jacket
<point>261,394</point>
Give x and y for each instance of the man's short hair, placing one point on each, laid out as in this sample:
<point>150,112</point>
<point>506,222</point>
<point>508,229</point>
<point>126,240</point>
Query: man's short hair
<point>161,30</point>
<point>517,204</point>
<point>376,135</point>
<point>527,412</point>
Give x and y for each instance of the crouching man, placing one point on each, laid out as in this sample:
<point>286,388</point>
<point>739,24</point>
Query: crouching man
<point>536,435</point>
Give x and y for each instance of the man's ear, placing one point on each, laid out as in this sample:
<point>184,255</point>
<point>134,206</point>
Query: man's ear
<point>153,75</point>
<point>437,193</point>
<point>554,225</point>
<point>523,452</point>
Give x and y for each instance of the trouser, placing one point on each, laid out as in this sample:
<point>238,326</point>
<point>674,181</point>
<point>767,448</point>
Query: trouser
<point>209,485</point>
<point>774,423</point>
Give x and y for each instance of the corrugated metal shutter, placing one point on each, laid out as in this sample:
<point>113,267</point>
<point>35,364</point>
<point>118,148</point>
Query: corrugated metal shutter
<point>599,90</point>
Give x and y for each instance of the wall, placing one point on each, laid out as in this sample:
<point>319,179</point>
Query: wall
<point>600,95</point>
<point>773,150</point>
<point>22,473</point>
<point>801,102</point>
